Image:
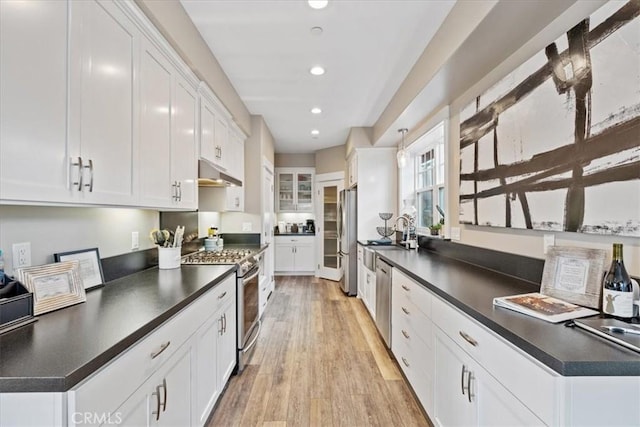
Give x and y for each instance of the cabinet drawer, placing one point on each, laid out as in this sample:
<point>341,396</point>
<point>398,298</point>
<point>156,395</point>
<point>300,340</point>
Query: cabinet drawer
<point>417,362</point>
<point>105,390</point>
<point>412,326</point>
<point>526,379</point>
<point>294,240</point>
<point>409,290</point>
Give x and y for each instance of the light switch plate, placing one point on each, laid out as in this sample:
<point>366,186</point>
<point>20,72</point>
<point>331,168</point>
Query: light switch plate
<point>135,240</point>
<point>455,233</point>
<point>246,226</point>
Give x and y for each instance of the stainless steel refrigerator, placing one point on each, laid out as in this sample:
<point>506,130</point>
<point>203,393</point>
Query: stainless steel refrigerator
<point>347,245</point>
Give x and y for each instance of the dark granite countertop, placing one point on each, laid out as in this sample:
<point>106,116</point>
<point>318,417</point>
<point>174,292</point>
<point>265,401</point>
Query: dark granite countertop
<point>568,351</point>
<point>64,347</point>
<point>294,234</point>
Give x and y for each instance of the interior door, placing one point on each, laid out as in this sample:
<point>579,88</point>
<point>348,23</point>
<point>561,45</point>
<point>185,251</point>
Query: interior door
<point>330,263</point>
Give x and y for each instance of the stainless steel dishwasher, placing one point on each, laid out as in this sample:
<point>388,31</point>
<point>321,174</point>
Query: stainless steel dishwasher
<point>383,300</point>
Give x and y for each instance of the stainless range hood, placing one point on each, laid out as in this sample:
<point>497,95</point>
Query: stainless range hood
<point>211,176</point>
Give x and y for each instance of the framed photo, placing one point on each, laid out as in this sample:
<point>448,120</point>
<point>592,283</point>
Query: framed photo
<point>54,286</point>
<point>574,275</point>
<point>90,266</point>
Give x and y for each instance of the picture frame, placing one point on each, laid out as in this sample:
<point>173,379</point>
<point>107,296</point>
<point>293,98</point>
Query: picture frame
<point>574,275</point>
<point>54,286</point>
<point>90,265</point>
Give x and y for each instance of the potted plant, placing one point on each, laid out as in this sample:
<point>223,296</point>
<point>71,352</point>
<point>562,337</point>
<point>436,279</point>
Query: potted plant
<point>435,229</point>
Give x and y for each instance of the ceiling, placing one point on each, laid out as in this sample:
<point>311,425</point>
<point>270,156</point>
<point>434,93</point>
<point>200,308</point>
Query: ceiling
<point>266,48</point>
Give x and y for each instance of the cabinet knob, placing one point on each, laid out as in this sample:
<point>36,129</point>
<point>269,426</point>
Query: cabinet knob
<point>406,288</point>
<point>406,335</point>
<point>405,310</point>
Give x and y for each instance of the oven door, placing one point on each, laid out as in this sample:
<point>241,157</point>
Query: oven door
<point>248,322</point>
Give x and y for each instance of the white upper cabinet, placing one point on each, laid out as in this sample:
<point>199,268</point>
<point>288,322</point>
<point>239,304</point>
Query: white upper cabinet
<point>155,127</point>
<point>103,113</point>
<point>214,129</point>
<point>184,146</point>
<point>294,189</point>
<point>168,152</point>
<point>33,97</point>
<point>102,144</point>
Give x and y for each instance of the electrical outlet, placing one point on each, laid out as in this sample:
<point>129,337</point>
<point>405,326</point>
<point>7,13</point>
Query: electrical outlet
<point>246,226</point>
<point>21,254</point>
<point>135,240</point>
<point>549,240</point>
<point>455,233</point>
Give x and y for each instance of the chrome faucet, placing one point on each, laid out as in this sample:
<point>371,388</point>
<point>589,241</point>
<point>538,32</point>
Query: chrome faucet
<point>405,232</point>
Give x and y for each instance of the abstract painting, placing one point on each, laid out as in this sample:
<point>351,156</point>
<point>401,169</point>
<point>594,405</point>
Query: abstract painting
<point>555,145</point>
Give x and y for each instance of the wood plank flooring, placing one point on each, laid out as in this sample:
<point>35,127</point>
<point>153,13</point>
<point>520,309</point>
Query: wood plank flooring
<point>319,361</point>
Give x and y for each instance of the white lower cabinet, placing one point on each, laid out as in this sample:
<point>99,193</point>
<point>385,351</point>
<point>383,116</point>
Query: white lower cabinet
<point>215,358</point>
<point>369,288</point>
<point>173,376</point>
<point>295,254</point>
<point>412,335</point>
<point>467,395</point>
<point>164,399</point>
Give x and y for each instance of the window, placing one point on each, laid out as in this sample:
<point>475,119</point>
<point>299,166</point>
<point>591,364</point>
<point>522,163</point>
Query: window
<point>423,183</point>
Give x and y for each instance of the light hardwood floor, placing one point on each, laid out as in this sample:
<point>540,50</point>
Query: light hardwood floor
<point>319,361</point>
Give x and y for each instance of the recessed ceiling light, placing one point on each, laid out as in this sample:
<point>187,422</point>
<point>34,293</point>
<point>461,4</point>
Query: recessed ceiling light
<point>315,132</point>
<point>318,4</point>
<point>316,110</point>
<point>316,31</point>
<point>317,70</point>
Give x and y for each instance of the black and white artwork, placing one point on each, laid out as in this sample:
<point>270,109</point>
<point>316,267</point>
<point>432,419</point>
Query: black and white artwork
<point>555,145</point>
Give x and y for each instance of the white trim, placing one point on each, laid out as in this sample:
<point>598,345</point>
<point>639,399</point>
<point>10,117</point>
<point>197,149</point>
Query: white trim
<point>330,176</point>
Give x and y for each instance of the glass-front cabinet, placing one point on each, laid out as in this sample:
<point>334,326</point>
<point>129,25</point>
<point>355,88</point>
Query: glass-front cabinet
<point>294,189</point>
<point>329,264</point>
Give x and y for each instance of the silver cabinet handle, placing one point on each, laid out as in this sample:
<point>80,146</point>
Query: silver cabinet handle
<point>221,331</point>
<point>237,202</point>
<point>468,338</point>
<point>469,386</point>
<point>174,191</point>
<point>163,347</point>
<point>406,335</point>
<point>222,295</point>
<point>464,369</point>
<point>224,322</point>
<point>405,310</point>
<point>157,395</point>
<point>406,288</point>
<point>90,184</point>
<point>179,188</point>
<point>405,362</point>
<point>80,173</point>
<point>164,386</point>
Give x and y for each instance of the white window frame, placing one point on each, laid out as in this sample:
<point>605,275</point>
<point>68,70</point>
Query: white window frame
<point>434,136</point>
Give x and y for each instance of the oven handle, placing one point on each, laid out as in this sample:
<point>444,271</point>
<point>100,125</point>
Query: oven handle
<point>247,279</point>
<point>254,340</point>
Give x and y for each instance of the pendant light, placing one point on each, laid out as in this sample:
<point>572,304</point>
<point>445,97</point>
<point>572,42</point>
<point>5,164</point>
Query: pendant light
<point>402,152</point>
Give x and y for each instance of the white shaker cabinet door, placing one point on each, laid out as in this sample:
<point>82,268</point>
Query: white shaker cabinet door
<point>33,93</point>
<point>184,152</point>
<point>304,252</point>
<point>155,128</point>
<point>103,56</point>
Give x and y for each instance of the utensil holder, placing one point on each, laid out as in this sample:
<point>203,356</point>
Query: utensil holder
<point>168,258</point>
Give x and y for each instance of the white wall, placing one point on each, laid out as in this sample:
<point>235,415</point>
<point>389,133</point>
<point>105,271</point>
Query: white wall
<point>60,229</point>
<point>523,242</point>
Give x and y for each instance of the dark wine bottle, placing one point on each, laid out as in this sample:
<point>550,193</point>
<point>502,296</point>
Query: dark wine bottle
<point>617,292</point>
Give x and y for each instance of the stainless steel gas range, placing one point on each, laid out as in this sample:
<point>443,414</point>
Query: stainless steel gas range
<point>249,266</point>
